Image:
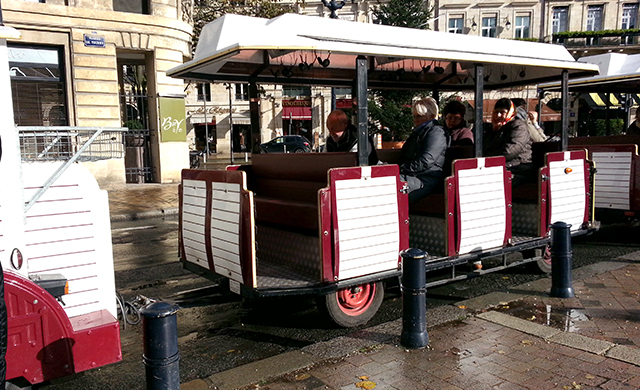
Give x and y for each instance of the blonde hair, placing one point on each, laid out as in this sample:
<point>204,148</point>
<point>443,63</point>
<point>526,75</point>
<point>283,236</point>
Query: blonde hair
<point>425,107</point>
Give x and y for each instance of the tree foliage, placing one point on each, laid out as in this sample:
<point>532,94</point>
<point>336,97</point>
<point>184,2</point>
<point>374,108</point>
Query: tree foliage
<point>390,110</point>
<point>205,11</point>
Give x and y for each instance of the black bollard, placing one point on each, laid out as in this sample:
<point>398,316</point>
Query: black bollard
<point>414,299</point>
<point>561,256</point>
<point>161,356</point>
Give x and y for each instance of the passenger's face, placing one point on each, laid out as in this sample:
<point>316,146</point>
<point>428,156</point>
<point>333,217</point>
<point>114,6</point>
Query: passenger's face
<point>336,128</point>
<point>452,120</point>
<point>499,115</point>
<point>419,119</point>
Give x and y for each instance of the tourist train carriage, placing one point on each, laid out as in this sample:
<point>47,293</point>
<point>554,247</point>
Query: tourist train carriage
<point>55,250</point>
<point>329,225</point>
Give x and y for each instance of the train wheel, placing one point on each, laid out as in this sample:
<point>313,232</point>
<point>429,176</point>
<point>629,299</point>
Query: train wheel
<point>544,264</point>
<point>353,306</point>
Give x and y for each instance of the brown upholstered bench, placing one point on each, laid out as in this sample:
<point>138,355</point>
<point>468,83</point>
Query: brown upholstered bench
<point>286,185</point>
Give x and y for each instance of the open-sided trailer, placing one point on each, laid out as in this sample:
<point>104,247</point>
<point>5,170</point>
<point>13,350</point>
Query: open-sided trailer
<point>617,185</point>
<point>328,224</point>
<point>55,248</point>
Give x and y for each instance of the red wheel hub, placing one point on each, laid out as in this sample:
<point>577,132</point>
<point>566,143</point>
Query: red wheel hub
<point>356,300</point>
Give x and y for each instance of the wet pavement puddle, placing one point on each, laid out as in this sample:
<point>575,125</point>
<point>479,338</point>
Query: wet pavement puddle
<point>563,318</point>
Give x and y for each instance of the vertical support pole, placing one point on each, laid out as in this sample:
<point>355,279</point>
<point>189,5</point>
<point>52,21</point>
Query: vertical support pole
<point>564,136</point>
<point>607,104</point>
<point>435,94</point>
<point>362,111</point>
<point>414,299</point>
<point>561,256</point>
<point>254,112</point>
<point>230,123</point>
<point>478,99</point>
<point>161,355</point>
<point>540,97</point>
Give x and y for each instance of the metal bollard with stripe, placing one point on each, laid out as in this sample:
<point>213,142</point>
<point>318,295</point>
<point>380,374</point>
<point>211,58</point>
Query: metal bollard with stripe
<point>161,356</point>
<point>561,259</point>
<point>414,299</point>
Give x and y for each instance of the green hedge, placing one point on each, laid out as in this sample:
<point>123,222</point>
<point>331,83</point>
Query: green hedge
<point>600,33</point>
<point>617,126</point>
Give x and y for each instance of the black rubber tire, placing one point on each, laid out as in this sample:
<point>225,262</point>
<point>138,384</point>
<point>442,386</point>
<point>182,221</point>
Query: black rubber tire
<point>298,150</point>
<point>330,306</point>
<point>544,264</point>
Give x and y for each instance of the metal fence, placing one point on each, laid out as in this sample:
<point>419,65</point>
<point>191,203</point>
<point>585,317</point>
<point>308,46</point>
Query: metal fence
<point>62,143</point>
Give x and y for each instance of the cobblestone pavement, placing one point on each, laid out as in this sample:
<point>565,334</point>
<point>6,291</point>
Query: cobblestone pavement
<point>137,201</point>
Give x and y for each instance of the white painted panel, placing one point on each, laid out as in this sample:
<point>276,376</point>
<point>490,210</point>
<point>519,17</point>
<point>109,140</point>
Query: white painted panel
<point>225,236</point>
<point>567,192</point>
<point>368,230</point>
<point>196,257</point>
<point>612,180</point>
<point>226,187</point>
<point>68,232</point>
<point>482,208</point>
<point>226,216</point>
<point>58,248</point>
<point>388,210</point>
<point>226,206</point>
<point>193,237</point>
<point>227,265</point>
<point>194,201</point>
<point>225,226</point>
<point>197,219</point>
<point>196,245</point>
<point>225,246</point>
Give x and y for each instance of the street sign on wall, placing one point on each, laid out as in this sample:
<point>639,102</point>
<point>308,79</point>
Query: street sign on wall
<point>173,126</point>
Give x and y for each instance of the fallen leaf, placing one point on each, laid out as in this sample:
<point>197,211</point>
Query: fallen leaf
<point>501,352</point>
<point>363,378</point>
<point>301,377</point>
<point>462,307</point>
<point>589,376</point>
<point>532,318</point>
<point>505,277</point>
<point>368,385</point>
<point>231,350</point>
<point>527,342</point>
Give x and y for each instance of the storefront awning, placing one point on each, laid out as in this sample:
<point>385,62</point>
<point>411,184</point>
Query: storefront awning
<point>615,100</point>
<point>297,113</point>
<point>548,115</point>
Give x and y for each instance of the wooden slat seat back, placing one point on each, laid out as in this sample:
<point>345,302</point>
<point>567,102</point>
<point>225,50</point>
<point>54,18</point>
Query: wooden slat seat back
<point>617,182</point>
<point>286,185</point>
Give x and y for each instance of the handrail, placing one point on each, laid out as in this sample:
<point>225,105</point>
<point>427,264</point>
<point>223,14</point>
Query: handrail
<point>97,131</point>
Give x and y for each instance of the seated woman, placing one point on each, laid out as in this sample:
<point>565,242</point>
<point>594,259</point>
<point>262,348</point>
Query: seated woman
<point>422,155</point>
<point>453,115</point>
<point>509,137</point>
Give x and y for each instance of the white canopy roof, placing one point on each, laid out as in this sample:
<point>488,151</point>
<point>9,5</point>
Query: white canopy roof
<point>618,73</point>
<point>236,48</point>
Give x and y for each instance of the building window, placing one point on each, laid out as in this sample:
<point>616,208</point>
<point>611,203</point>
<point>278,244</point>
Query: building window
<point>594,18</point>
<point>489,26</point>
<point>132,6</point>
<point>38,86</point>
<point>456,25</point>
<point>204,92</point>
<point>295,91</point>
<point>522,26</point>
<point>560,19</point>
<point>242,92</point>
<point>629,16</point>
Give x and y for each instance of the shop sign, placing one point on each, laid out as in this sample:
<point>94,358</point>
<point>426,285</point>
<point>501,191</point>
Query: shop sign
<point>296,103</point>
<point>173,126</point>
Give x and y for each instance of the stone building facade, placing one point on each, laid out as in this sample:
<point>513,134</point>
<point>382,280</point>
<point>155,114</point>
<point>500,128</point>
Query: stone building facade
<point>102,63</point>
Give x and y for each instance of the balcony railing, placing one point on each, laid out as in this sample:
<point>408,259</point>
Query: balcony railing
<point>597,38</point>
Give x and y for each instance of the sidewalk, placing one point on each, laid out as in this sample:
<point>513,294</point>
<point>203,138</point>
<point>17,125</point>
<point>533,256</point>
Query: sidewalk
<point>137,201</point>
<point>520,339</point>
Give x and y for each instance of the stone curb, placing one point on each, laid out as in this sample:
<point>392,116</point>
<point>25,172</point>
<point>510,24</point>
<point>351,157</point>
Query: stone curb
<point>144,215</point>
<point>278,365</point>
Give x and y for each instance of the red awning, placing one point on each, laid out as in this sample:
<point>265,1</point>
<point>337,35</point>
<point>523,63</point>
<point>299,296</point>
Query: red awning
<point>548,115</point>
<point>299,113</point>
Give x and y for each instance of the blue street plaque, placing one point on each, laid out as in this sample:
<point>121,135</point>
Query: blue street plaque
<point>94,40</point>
